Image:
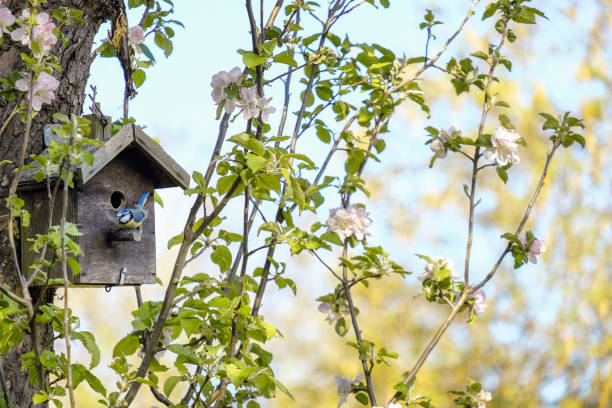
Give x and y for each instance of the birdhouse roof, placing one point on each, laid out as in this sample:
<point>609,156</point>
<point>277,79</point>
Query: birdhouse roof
<point>166,172</point>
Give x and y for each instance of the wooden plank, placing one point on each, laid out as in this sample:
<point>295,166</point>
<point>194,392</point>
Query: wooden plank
<point>176,174</point>
<point>104,154</point>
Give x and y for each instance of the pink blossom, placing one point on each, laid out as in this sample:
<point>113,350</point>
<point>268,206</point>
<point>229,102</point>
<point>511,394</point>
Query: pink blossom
<point>43,92</point>
<point>536,248</point>
<point>6,19</point>
<point>41,33</point>
<point>249,102</point>
<point>266,110</point>
<point>504,149</point>
<point>479,305</point>
<point>348,221</point>
<point>222,80</point>
<point>136,35</point>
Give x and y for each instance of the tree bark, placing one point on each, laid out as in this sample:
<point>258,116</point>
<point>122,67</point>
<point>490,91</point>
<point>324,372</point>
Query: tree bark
<point>70,97</point>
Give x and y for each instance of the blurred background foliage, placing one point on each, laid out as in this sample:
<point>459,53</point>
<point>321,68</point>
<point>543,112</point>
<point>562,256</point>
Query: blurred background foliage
<point>545,339</point>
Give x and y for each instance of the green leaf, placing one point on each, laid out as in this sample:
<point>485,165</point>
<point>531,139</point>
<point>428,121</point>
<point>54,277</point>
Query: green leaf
<point>74,265</point>
<point>251,60</point>
<point>255,162</point>
<point>502,173</point>
<point>285,57</point>
<point>282,387</point>
<point>222,257</point>
<point>158,199</point>
<point>127,346</point>
<point>171,383</point>
<point>175,240</point>
<point>147,52</point>
<point>490,10</point>
<point>139,77</point>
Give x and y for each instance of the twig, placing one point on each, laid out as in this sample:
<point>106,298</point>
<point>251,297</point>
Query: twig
<point>69,383</point>
<point>367,371</point>
<point>8,120</point>
<point>525,217</point>
<point>483,118</point>
<point>443,49</point>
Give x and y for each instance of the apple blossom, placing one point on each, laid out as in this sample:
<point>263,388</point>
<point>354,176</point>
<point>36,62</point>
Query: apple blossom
<point>482,398</point>
<point>348,221</point>
<point>437,146</point>
<point>345,386</point>
<point>44,86</point>
<point>332,316</point>
<point>266,110</point>
<point>438,264</point>
<point>41,33</point>
<point>504,149</point>
<point>219,82</point>
<point>249,102</point>
<point>6,19</point>
<point>479,305</point>
<point>136,36</point>
<point>536,248</point>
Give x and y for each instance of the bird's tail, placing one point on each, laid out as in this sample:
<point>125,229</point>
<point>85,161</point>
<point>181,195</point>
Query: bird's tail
<point>143,200</point>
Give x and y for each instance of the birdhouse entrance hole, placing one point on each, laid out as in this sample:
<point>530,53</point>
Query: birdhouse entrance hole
<point>117,199</point>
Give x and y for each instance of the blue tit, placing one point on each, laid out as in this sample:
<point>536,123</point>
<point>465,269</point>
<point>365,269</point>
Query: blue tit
<point>132,218</point>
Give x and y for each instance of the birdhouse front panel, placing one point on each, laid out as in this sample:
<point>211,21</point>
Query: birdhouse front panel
<point>113,255</point>
<point>36,202</point>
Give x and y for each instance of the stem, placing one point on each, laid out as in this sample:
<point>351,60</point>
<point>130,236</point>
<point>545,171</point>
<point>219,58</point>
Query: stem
<point>66,284</point>
<point>475,169</point>
<point>525,217</point>
<point>432,343</point>
<point>367,371</point>
<point>8,120</point>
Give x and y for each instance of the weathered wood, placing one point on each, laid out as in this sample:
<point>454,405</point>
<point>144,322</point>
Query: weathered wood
<point>104,154</point>
<point>123,235</point>
<point>128,174</point>
<point>175,173</point>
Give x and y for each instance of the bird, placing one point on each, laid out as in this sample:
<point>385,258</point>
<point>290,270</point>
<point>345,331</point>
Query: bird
<point>132,218</point>
<point>120,42</point>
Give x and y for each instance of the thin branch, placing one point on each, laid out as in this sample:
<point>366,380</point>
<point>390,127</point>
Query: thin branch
<point>433,61</point>
<point>289,72</point>
<point>367,371</point>
<point>525,217</point>
<point>483,118</point>
<point>432,343</point>
<point>69,383</point>
<point>8,120</point>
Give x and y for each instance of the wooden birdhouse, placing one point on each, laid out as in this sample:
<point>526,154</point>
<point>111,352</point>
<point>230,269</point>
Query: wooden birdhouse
<point>127,165</point>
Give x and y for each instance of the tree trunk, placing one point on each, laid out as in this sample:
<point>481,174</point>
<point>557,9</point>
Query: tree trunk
<point>70,97</point>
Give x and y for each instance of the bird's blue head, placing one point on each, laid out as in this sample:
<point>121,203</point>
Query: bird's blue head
<point>124,215</point>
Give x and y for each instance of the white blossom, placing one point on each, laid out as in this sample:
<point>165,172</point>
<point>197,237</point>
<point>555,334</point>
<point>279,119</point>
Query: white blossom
<point>504,149</point>
<point>6,19</point>
<point>479,305</point>
<point>345,385</point>
<point>438,264</point>
<point>348,221</point>
<point>482,398</point>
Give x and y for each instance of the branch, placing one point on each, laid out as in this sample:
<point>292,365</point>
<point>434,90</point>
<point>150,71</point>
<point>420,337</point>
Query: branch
<point>433,61</point>
<point>525,217</point>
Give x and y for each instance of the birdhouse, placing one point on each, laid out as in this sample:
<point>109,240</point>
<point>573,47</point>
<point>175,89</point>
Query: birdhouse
<point>129,164</point>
